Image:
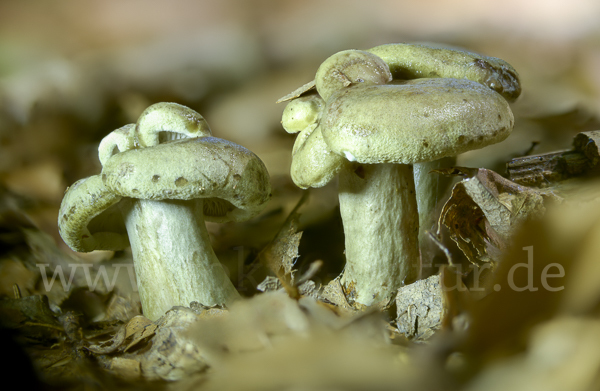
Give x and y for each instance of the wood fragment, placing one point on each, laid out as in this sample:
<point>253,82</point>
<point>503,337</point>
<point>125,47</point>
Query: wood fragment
<point>545,169</point>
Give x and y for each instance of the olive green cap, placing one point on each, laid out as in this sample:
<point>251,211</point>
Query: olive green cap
<point>412,61</point>
<point>414,121</point>
<point>89,219</point>
<point>233,181</point>
<point>167,121</point>
<point>118,140</point>
<point>302,112</point>
<point>313,163</point>
<point>350,67</point>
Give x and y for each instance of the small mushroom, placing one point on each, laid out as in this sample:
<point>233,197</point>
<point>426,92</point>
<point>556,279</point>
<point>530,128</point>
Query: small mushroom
<point>371,132</point>
<point>159,197</point>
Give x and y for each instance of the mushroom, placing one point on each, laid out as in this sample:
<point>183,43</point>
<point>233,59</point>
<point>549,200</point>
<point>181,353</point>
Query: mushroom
<point>158,197</point>
<point>371,132</point>
<point>417,60</point>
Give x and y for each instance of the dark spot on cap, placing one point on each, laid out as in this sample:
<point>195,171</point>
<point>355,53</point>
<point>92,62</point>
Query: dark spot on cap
<point>181,181</point>
<point>155,178</point>
<point>461,138</point>
<point>136,191</point>
<point>237,177</point>
<point>483,64</point>
<point>499,116</point>
<point>426,115</point>
<point>425,143</point>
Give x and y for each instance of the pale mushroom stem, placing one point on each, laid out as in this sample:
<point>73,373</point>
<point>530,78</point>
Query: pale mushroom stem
<point>381,225</point>
<point>430,189</point>
<point>173,257</point>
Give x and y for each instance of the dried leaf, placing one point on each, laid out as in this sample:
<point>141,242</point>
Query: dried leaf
<point>485,209</point>
<point>171,355</point>
<point>125,367</point>
<point>336,294</point>
<point>280,255</point>
<point>138,329</point>
<point>111,345</point>
<point>207,312</point>
<point>420,308</point>
<point>269,284</point>
<point>297,92</point>
<point>28,311</point>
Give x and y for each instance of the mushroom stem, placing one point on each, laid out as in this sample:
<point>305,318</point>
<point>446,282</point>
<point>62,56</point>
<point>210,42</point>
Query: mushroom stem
<point>173,257</point>
<point>381,224</point>
<point>430,188</point>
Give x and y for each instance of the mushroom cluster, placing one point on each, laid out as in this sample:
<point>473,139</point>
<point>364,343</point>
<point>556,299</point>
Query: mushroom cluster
<point>161,179</point>
<point>373,116</point>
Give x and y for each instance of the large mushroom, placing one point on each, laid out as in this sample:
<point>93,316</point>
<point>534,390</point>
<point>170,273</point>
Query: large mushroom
<point>156,197</point>
<point>371,132</point>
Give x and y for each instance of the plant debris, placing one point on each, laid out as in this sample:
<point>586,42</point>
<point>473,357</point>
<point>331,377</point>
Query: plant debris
<point>420,308</point>
<point>485,209</point>
<point>546,169</point>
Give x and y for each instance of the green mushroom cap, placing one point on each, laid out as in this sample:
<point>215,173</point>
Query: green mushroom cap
<point>350,67</point>
<point>232,180</point>
<point>414,121</point>
<point>412,61</point>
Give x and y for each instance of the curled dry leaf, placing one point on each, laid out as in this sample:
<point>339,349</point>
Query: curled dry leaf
<point>130,334</point>
<point>485,209</point>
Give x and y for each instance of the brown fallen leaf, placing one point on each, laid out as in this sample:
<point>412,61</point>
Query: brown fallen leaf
<point>421,309</point>
<point>126,367</point>
<point>334,293</point>
<point>485,209</point>
<point>136,330</point>
<point>279,255</point>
